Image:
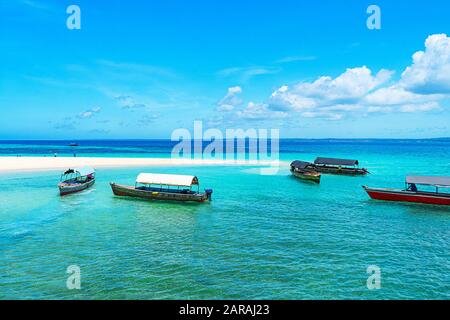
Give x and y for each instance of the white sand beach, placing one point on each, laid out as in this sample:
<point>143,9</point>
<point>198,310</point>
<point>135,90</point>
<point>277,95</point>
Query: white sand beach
<point>56,163</point>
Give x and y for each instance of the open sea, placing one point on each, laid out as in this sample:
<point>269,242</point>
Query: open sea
<point>262,237</point>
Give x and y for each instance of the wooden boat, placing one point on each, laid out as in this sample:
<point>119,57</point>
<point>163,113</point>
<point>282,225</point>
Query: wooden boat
<point>76,180</point>
<point>411,194</point>
<point>339,166</point>
<point>305,171</point>
<point>167,187</point>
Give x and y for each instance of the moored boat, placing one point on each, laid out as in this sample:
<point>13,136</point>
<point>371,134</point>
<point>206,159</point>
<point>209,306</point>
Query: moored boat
<point>305,171</point>
<point>412,194</point>
<point>76,180</point>
<point>169,187</point>
<point>339,166</point>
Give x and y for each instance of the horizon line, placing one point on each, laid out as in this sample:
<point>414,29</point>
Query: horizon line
<point>166,139</point>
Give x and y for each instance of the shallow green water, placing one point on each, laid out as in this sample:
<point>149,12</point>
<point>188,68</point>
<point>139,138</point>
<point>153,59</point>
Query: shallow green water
<point>261,237</point>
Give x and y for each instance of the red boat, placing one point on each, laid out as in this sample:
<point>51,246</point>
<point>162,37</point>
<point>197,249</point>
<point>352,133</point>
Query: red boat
<point>411,194</point>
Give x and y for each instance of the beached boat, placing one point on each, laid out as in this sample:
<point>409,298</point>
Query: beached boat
<point>168,187</point>
<point>305,171</point>
<point>411,194</point>
<point>339,166</point>
<point>76,180</point>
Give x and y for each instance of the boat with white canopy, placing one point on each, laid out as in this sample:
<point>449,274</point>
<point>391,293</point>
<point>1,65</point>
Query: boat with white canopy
<point>411,192</point>
<point>169,187</point>
<point>76,180</point>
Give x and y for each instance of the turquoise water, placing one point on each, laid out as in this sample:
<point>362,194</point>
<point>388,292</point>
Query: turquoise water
<point>261,237</point>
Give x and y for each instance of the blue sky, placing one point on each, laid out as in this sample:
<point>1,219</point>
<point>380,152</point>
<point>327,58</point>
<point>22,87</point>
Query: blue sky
<point>140,69</point>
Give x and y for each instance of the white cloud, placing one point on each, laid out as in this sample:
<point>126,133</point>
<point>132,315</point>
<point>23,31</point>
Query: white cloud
<point>397,98</point>
<point>244,74</point>
<point>329,97</point>
<point>128,102</point>
<point>295,59</point>
<point>89,113</point>
<point>231,99</point>
<point>418,107</point>
<point>422,85</point>
<point>430,71</point>
<point>405,108</point>
<point>322,114</point>
<point>352,84</point>
<point>285,99</point>
<point>35,4</point>
<point>234,90</point>
<point>259,111</point>
<point>391,96</point>
<point>420,88</point>
<point>335,112</point>
<point>85,115</point>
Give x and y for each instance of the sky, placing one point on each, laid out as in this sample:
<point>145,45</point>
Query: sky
<point>142,69</point>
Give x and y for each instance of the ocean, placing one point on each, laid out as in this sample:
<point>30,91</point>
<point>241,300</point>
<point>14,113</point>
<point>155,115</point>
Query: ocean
<point>261,237</point>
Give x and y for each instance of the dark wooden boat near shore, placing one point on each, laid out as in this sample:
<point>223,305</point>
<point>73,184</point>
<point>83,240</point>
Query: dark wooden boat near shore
<point>166,187</point>
<point>338,166</point>
<point>76,180</point>
<point>411,194</point>
<point>304,171</point>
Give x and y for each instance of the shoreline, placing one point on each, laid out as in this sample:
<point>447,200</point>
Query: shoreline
<point>26,164</point>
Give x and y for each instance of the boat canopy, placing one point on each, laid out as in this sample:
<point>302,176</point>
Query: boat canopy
<point>300,164</point>
<point>429,181</point>
<point>167,179</point>
<point>83,171</point>
<point>335,162</point>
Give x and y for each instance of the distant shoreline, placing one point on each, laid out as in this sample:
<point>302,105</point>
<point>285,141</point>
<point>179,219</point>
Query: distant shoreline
<point>14,163</point>
<point>169,140</point>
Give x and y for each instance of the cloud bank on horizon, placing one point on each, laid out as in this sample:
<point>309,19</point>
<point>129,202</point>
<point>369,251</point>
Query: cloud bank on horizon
<point>421,87</point>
